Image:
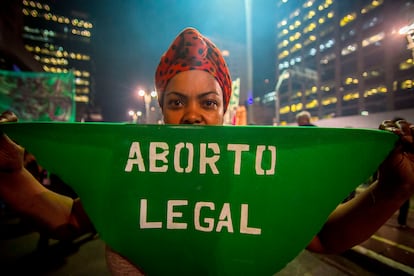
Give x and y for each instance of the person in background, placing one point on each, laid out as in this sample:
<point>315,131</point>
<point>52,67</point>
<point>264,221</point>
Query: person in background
<point>303,118</point>
<point>194,87</point>
<point>405,207</point>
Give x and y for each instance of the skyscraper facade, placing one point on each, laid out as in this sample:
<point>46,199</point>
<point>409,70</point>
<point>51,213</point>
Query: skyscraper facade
<point>59,38</point>
<point>339,58</point>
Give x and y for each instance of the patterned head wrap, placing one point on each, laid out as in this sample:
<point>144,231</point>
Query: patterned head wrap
<point>192,51</point>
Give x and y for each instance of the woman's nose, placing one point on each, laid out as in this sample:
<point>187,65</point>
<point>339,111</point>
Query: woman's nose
<point>192,115</point>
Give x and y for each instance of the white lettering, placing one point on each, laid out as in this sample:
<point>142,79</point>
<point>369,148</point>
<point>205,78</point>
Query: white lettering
<point>171,214</point>
<point>162,156</point>
<point>259,158</point>
<point>225,219</point>
<point>143,223</point>
<point>159,159</point>
<point>244,218</point>
<point>211,161</point>
<point>238,149</point>
<point>177,154</point>
<point>208,221</point>
<point>135,158</point>
<point>205,224</point>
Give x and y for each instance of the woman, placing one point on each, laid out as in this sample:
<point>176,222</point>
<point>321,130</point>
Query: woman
<point>194,87</point>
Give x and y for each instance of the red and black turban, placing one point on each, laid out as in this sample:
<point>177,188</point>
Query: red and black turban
<point>192,51</point>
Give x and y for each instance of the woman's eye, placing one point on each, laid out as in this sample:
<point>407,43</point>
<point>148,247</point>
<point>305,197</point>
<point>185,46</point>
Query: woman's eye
<point>175,103</point>
<point>210,103</point>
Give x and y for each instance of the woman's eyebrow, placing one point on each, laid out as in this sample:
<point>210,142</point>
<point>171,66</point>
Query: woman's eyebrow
<point>200,95</point>
<point>205,94</point>
<point>174,93</point>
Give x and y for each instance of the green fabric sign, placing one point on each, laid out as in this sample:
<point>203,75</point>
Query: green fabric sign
<point>37,96</point>
<point>206,200</point>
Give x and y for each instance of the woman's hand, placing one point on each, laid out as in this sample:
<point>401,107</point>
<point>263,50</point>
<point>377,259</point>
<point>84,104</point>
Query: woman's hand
<point>11,154</point>
<point>397,171</point>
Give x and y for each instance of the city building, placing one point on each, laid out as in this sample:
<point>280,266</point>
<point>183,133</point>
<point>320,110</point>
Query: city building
<point>59,37</point>
<point>51,36</point>
<point>13,55</point>
<point>341,58</point>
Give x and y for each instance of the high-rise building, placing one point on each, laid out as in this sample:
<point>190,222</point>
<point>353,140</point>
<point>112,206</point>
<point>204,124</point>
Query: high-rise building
<point>339,58</point>
<point>13,55</point>
<point>59,38</point>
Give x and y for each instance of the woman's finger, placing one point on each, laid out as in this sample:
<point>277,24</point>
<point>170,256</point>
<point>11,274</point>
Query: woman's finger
<point>8,116</point>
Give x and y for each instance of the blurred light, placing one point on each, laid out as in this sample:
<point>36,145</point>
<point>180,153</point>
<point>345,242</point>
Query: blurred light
<point>250,101</point>
<point>364,113</point>
<point>141,92</point>
<point>225,53</point>
<point>406,29</point>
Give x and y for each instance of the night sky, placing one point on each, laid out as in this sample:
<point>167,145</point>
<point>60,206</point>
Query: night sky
<point>130,36</point>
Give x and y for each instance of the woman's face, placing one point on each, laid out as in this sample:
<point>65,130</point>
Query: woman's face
<point>193,97</point>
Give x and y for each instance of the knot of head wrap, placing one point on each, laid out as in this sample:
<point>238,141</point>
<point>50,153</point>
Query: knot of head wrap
<point>192,51</point>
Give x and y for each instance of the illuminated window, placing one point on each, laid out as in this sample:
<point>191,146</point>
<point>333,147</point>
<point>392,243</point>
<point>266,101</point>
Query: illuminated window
<point>34,13</point>
<point>351,80</point>
<point>283,33</point>
<point>321,20</point>
<point>407,84</point>
<point>373,39</point>
<point>283,44</point>
<point>310,15</point>
<point>284,110</point>
<point>371,6</point>
<point>309,28</point>
<point>82,99</point>
<point>308,3</point>
<point>282,23</point>
<point>296,107</point>
<point>347,19</point>
<point>283,54</point>
<point>329,101</point>
<point>312,52</point>
<point>329,44</point>
<point>312,104</point>
<point>375,90</point>
<point>349,49</point>
<point>406,64</point>
<point>351,96</point>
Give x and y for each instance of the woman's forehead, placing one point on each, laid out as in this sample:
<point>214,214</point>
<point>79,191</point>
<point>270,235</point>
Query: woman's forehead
<point>193,81</point>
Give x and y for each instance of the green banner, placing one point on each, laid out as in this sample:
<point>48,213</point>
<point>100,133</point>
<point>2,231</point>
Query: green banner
<point>38,96</point>
<point>206,200</point>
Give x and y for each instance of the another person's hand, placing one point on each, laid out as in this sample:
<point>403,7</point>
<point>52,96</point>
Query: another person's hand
<point>11,154</point>
<point>397,171</point>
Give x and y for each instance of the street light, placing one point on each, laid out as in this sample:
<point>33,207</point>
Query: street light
<point>147,100</point>
<point>134,115</point>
